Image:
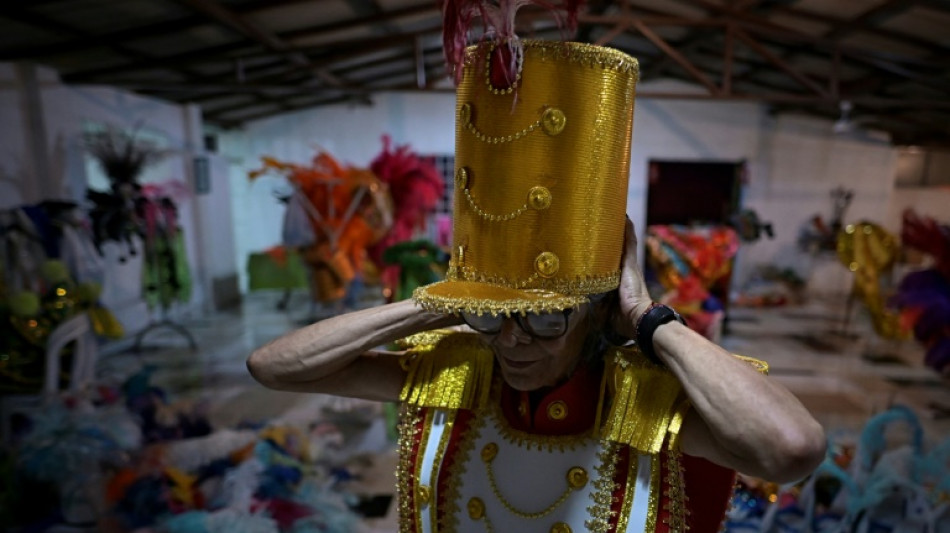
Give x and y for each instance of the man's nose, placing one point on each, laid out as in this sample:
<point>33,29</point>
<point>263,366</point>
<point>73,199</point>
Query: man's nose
<point>511,334</point>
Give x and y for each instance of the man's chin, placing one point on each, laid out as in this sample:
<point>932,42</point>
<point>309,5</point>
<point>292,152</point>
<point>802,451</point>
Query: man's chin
<point>521,380</point>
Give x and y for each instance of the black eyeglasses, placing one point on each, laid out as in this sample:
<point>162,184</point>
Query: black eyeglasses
<point>539,325</point>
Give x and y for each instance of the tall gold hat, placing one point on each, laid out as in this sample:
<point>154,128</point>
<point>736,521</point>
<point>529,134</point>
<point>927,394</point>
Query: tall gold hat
<point>541,169</point>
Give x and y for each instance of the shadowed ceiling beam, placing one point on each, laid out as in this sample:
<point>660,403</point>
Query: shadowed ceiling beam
<point>226,52</point>
<point>178,25</point>
<point>780,63</point>
<point>257,33</point>
<point>676,56</point>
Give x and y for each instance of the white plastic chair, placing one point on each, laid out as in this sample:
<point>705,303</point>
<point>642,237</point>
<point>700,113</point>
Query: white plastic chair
<point>77,329</point>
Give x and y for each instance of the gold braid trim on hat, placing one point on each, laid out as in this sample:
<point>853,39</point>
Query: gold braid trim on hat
<point>583,53</point>
<point>457,304</point>
<point>453,373</point>
<point>578,285</point>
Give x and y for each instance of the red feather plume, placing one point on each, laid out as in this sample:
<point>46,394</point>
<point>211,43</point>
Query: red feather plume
<point>498,18</point>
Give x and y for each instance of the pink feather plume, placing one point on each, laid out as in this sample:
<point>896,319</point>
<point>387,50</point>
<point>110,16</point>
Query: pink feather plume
<point>498,18</point>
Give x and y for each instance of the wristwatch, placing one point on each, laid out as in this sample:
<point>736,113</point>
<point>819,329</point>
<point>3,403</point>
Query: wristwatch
<point>657,315</point>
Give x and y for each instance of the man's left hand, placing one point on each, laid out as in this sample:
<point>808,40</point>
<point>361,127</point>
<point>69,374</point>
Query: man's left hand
<point>634,299</point>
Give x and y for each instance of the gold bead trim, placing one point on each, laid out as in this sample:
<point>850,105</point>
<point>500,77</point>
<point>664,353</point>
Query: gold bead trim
<point>604,487</point>
<point>502,138</point>
<point>510,89</point>
<point>488,216</point>
<point>552,122</point>
<point>409,420</point>
<point>574,476</point>
<point>561,527</point>
<point>539,198</point>
<point>579,285</point>
<point>582,53</point>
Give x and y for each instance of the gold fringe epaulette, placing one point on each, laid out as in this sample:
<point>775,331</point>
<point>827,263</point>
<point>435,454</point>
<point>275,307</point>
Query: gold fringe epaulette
<point>454,372</point>
<point>643,401</point>
<point>647,402</point>
<point>424,338</point>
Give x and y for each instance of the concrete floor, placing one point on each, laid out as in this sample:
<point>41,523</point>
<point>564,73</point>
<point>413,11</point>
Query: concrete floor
<point>842,372</point>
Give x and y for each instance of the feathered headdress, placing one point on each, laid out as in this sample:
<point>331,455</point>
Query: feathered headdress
<point>498,20</point>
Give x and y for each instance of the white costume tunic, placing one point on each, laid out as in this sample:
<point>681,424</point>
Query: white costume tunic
<point>503,461</point>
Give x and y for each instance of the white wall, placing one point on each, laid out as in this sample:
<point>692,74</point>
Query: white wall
<point>794,163</point>
<point>16,168</point>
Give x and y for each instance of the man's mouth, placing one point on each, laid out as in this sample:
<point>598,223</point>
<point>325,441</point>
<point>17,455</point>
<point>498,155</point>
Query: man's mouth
<point>517,364</point>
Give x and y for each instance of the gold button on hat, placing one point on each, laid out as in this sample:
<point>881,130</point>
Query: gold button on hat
<point>547,264</point>
<point>553,121</point>
<point>539,198</point>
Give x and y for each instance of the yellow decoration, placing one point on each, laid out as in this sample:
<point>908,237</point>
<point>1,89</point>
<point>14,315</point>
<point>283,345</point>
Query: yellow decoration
<point>642,399</point>
<point>547,264</point>
<point>869,250</point>
<point>561,527</point>
<point>454,373</point>
<point>104,323</point>
<point>577,477</point>
<point>557,410</point>
<point>461,178</point>
<point>424,494</point>
<point>539,198</point>
<point>569,133</point>
<point>553,121</point>
<point>489,452</point>
<point>476,508</point>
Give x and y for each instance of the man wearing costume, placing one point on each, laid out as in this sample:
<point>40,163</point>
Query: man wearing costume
<point>542,389</point>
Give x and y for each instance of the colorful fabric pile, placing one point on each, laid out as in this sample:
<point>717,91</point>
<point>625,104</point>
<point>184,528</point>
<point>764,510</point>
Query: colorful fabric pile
<point>687,262</point>
<point>132,461</point>
<point>877,486</point>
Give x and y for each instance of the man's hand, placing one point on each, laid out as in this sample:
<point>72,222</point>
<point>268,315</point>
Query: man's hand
<point>634,300</point>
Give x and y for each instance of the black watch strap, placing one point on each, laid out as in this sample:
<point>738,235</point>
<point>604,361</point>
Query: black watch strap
<point>655,317</point>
